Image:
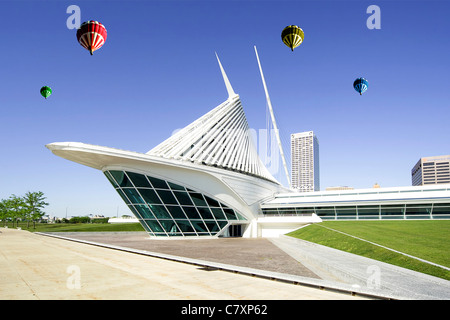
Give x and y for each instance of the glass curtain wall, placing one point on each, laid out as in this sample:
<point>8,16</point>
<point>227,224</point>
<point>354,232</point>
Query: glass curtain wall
<point>168,209</point>
<point>394,211</point>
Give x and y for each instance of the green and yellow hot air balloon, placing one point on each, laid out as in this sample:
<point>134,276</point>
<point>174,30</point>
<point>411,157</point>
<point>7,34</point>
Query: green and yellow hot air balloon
<point>292,36</point>
<point>46,91</point>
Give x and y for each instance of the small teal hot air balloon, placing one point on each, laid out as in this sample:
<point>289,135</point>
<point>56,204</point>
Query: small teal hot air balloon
<point>361,85</point>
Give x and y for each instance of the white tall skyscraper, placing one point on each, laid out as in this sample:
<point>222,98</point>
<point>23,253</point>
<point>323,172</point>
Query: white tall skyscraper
<point>305,161</point>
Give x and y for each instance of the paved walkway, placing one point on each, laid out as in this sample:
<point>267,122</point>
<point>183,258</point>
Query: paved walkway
<point>34,266</point>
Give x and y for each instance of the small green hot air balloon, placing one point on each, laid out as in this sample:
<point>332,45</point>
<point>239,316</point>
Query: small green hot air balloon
<point>292,36</point>
<point>46,91</point>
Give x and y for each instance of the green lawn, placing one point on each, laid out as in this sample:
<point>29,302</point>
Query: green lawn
<point>427,239</point>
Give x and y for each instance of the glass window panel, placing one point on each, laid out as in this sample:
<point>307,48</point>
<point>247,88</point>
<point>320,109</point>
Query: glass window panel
<point>153,225</point>
<point>120,192</point>
<point>198,199</point>
<point>212,226</point>
<point>441,205</point>
<point>174,186</point>
<point>138,180</point>
<point>270,211</point>
<point>199,225</point>
<point>205,213</point>
<point>185,226</point>
<point>218,214</point>
<point>212,202</point>
<point>229,213</point>
<point>169,226</point>
<point>159,211</point>
<point>392,206</point>
<point>158,183</point>
<point>419,205</point>
<point>386,210</point>
<point>441,210</point>
<point>369,210</point>
<point>347,211</point>
<point>121,178</point>
<point>417,217</point>
<point>418,211</point>
<point>144,211</point>
<point>304,210</point>
<point>325,212</point>
<point>176,212</point>
<point>183,198</point>
<point>286,211</point>
<point>222,224</point>
<point>133,195</point>
<point>111,179</point>
<point>240,217</point>
<point>136,214</point>
<point>167,197</point>
<point>325,209</point>
<point>145,226</point>
<point>149,196</point>
<point>191,212</point>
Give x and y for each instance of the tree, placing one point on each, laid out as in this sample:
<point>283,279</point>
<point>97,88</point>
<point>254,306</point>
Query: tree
<point>34,203</point>
<point>3,211</point>
<point>17,208</point>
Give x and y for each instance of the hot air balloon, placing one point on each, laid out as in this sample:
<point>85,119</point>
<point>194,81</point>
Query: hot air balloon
<point>292,36</point>
<point>46,91</point>
<point>361,85</point>
<point>91,35</point>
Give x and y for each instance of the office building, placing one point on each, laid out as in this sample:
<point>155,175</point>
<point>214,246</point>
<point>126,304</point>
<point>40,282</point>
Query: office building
<point>305,162</point>
<point>431,170</point>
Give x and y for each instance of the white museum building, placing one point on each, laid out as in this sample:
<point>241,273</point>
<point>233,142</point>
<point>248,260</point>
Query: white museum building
<point>207,180</point>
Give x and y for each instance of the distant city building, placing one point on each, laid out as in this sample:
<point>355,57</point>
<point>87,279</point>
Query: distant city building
<point>305,161</point>
<point>431,170</point>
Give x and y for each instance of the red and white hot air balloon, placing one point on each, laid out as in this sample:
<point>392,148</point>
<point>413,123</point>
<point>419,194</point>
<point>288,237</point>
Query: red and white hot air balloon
<point>91,35</point>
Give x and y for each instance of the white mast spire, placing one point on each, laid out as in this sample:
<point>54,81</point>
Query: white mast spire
<point>230,90</point>
<point>273,121</point>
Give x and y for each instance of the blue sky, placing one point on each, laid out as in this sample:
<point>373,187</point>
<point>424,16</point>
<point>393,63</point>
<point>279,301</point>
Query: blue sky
<point>157,72</point>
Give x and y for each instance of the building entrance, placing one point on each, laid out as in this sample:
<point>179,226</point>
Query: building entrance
<point>233,231</point>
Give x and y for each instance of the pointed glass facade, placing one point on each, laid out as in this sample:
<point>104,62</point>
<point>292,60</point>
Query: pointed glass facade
<point>168,209</point>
